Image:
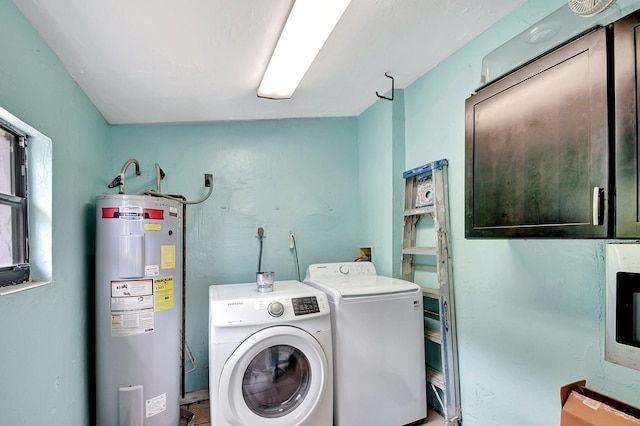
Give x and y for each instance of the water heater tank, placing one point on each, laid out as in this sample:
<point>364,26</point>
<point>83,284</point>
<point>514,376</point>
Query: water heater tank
<point>138,301</point>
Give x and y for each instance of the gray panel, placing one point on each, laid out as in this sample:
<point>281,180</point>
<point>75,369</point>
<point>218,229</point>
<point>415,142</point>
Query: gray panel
<point>131,256</point>
<point>130,406</point>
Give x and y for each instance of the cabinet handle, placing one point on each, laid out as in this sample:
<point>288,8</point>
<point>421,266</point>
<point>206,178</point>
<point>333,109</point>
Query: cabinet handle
<point>598,205</point>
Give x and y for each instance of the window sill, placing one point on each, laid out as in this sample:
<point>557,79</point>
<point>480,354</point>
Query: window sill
<point>11,289</point>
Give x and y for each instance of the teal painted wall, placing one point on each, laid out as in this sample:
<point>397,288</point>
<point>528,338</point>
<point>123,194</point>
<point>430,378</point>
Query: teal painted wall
<point>297,175</point>
<point>381,132</point>
<point>375,188</point>
<point>44,355</point>
<point>397,164</point>
<point>530,313</point>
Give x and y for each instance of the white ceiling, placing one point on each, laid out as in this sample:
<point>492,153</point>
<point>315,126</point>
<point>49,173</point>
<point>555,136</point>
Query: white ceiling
<point>168,61</point>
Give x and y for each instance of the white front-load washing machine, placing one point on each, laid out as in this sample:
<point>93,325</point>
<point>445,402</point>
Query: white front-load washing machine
<point>270,356</point>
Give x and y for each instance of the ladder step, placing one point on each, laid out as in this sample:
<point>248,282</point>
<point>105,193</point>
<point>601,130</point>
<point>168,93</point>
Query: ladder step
<point>420,211</point>
<point>431,314</point>
<point>429,251</point>
<point>426,268</point>
<point>433,335</point>
<point>430,292</point>
<point>436,378</point>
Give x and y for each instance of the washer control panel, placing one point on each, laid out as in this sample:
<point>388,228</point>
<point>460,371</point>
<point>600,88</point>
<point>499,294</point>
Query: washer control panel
<point>305,305</point>
<point>241,304</point>
<point>332,270</point>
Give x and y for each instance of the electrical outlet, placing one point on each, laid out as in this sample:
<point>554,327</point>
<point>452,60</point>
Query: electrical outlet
<point>208,180</point>
<point>292,241</point>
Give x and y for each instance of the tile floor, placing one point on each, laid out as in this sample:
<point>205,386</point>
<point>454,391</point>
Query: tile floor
<point>201,411</point>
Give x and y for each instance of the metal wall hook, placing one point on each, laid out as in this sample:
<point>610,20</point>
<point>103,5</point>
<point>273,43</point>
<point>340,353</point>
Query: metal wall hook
<point>392,89</point>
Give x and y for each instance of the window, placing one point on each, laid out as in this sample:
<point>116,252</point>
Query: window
<point>14,242</point>
<point>35,245</point>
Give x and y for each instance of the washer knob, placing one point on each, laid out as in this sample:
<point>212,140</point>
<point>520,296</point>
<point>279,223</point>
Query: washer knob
<point>344,269</point>
<point>275,309</point>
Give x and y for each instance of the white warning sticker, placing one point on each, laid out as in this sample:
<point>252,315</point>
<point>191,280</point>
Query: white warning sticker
<point>130,323</point>
<point>151,270</point>
<point>131,213</point>
<point>131,288</point>
<point>156,405</point>
<point>134,303</point>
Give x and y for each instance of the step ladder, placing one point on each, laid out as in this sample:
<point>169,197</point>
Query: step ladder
<point>426,196</point>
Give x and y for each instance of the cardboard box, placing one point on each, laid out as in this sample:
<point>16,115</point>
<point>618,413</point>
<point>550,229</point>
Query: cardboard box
<point>582,406</point>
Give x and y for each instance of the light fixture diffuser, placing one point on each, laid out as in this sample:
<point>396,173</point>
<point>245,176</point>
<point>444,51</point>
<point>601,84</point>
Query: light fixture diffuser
<point>309,25</point>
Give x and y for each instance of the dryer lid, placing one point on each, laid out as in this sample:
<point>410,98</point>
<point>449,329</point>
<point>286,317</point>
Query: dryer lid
<point>346,287</point>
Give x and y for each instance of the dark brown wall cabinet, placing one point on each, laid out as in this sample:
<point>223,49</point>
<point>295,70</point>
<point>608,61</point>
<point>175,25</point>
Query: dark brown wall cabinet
<point>552,148</point>
<point>537,150</point>
<point>626,72</point>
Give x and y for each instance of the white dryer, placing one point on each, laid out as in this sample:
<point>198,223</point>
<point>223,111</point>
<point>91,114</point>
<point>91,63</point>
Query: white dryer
<point>270,356</point>
<point>379,356</point>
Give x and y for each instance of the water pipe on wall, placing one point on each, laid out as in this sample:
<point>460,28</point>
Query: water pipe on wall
<point>208,182</point>
<point>119,180</point>
<point>261,239</point>
<point>159,176</point>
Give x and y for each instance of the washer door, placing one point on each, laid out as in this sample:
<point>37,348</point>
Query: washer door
<point>277,376</point>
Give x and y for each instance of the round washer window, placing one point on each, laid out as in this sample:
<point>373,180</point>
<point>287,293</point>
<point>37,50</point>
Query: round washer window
<point>276,381</point>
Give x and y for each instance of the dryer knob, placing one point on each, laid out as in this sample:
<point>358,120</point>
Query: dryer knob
<point>275,309</point>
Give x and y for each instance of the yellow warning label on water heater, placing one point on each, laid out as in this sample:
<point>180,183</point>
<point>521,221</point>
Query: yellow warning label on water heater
<point>152,227</point>
<point>162,294</point>
<point>167,257</point>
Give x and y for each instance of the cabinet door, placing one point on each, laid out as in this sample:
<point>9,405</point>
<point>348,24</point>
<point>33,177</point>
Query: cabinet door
<point>537,147</point>
<point>626,75</point>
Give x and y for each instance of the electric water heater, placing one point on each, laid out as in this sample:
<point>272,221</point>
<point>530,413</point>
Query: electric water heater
<point>138,301</point>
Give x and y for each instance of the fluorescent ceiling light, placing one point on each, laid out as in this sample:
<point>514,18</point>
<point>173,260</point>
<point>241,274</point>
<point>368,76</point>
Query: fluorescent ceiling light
<point>309,25</point>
